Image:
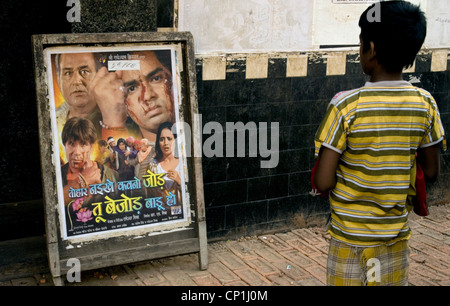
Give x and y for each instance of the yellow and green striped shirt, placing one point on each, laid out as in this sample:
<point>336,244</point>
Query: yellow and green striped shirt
<point>377,129</point>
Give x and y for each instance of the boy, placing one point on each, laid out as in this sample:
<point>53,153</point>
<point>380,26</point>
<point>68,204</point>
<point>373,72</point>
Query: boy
<point>367,145</point>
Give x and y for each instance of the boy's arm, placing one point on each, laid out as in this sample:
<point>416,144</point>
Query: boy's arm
<point>429,160</point>
<point>325,177</point>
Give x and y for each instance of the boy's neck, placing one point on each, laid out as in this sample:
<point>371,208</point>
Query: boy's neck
<point>382,75</point>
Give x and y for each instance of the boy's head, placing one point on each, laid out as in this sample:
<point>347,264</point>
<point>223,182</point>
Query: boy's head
<point>397,35</point>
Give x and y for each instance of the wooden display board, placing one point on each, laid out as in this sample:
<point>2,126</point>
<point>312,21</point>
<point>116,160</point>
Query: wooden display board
<point>130,202</point>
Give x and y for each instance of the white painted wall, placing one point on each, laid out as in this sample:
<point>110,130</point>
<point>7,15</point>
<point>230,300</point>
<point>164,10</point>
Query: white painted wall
<point>438,35</point>
<point>247,26</point>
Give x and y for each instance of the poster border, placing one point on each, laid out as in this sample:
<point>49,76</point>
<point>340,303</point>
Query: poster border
<point>116,250</point>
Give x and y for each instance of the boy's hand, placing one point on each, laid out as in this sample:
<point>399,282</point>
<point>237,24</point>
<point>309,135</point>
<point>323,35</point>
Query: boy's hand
<point>325,174</point>
<point>429,160</point>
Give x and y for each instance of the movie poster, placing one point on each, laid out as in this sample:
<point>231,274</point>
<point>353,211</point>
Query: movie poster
<point>119,156</point>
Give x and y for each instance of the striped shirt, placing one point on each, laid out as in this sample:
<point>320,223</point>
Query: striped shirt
<point>377,129</point>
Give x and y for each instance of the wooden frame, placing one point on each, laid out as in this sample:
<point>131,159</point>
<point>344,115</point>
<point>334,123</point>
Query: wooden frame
<point>132,243</point>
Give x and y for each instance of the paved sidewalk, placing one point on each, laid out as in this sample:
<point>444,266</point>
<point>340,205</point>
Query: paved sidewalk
<point>295,258</point>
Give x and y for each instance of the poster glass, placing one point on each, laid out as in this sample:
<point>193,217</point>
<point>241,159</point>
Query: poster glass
<point>119,154</point>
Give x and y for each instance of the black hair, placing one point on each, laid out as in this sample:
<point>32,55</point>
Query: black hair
<point>398,35</point>
<point>121,140</point>
<point>79,129</point>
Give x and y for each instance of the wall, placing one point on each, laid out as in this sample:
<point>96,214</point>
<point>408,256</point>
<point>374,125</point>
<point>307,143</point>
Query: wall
<point>246,26</point>
<point>20,161</point>
<point>234,26</point>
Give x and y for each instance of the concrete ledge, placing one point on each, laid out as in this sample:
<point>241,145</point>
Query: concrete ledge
<point>256,65</point>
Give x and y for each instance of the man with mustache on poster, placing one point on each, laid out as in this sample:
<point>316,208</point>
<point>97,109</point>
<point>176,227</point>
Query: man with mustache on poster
<point>74,72</point>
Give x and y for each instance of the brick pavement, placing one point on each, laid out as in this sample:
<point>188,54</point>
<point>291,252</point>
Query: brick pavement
<point>295,258</point>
